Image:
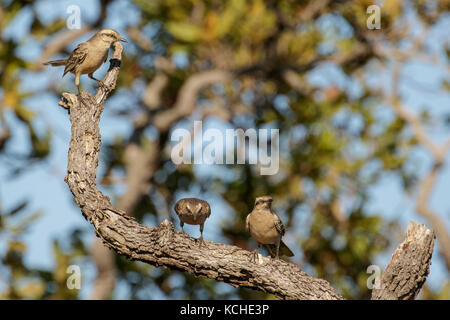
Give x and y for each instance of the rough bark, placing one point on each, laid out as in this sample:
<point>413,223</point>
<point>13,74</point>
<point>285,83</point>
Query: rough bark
<point>409,266</point>
<point>164,245</point>
<point>167,247</point>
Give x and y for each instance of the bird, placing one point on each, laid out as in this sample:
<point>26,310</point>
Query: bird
<point>193,211</point>
<point>266,228</point>
<point>88,56</point>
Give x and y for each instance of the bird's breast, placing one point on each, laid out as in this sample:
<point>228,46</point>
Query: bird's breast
<point>190,218</point>
<point>262,229</point>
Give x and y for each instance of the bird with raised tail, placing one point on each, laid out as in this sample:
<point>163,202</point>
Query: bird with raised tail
<point>266,228</point>
<point>88,56</point>
<point>193,211</point>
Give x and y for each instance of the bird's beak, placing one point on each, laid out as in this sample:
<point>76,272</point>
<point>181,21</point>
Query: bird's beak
<point>123,40</point>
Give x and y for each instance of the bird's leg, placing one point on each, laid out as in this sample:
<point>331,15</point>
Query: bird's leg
<point>256,253</point>
<point>91,75</point>
<point>77,82</point>
<point>100,83</point>
<point>202,242</point>
<point>182,229</point>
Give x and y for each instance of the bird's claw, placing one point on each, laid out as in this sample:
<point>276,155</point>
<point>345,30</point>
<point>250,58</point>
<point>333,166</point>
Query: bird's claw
<point>201,242</point>
<point>104,86</point>
<point>254,257</point>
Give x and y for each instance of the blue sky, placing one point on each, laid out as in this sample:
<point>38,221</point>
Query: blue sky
<point>44,183</point>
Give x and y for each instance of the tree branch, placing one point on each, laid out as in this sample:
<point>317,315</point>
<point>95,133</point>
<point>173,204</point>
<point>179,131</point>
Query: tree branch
<point>164,245</point>
<point>187,97</point>
<point>167,247</point>
<point>409,266</point>
<point>106,271</point>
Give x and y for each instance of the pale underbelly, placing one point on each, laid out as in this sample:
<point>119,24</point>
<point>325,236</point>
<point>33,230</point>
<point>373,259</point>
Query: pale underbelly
<point>265,236</point>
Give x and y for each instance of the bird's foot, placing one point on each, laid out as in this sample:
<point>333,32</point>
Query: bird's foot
<point>202,242</point>
<point>255,256</point>
<point>104,86</point>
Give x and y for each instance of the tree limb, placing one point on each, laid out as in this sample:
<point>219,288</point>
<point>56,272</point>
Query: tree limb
<point>167,247</point>
<point>187,97</point>
<point>409,266</point>
<point>105,280</point>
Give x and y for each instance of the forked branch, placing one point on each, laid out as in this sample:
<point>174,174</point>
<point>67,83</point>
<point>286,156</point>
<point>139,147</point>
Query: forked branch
<point>164,245</point>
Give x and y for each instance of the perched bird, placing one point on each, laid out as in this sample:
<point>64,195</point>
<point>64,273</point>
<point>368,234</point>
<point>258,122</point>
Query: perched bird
<point>88,56</point>
<point>193,211</point>
<point>266,228</point>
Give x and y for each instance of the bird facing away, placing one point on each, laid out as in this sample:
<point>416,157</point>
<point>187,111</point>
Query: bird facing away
<point>88,56</point>
<point>193,211</point>
<point>266,228</point>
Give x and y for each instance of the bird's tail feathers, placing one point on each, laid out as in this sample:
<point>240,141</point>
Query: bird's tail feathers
<point>284,250</point>
<point>56,63</point>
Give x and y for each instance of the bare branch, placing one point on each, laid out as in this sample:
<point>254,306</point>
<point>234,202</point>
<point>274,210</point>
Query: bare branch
<point>138,37</point>
<point>313,9</point>
<point>105,281</point>
<point>187,97</point>
<point>165,246</point>
<point>151,97</point>
<point>297,83</point>
<point>419,131</point>
<point>106,272</point>
<point>409,266</point>
<point>140,165</point>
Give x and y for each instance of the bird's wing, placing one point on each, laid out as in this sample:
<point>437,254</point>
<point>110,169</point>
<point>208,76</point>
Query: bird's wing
<point>278,224</point>
<point>77,57</point>
<point>177,208</point>
<point>208,209</point>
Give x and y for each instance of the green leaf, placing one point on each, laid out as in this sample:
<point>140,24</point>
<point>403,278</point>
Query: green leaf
<point>184,31</point>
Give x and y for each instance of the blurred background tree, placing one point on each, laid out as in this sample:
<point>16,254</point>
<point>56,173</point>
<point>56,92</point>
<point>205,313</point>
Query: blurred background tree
<point>339,92</point>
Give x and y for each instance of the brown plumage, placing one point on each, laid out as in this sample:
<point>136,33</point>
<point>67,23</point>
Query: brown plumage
<point>193,211</point>
<point>88,56</point>
<point>266,228</point>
